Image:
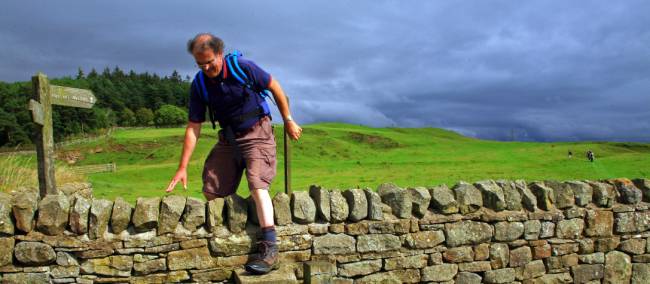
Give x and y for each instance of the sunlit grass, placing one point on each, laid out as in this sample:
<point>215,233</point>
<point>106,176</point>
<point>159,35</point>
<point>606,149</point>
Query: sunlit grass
<point>343,156</point>
<point>19,171</point>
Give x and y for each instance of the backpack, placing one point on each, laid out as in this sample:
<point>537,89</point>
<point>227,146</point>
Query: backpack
<point>233,68</point>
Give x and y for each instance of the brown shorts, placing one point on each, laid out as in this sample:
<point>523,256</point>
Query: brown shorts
<point>222,173</point>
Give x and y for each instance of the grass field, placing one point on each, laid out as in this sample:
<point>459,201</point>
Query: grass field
<point>344,156</point>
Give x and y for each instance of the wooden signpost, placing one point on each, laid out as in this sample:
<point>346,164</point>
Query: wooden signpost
<point>44,96</point>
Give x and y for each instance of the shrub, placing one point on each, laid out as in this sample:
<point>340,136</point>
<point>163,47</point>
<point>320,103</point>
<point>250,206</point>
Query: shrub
<point>144,116</point>
<point>170,115</point>
<point>127,117</point>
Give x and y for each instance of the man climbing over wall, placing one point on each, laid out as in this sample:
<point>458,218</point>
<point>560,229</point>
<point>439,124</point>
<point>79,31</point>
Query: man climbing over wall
<point>231,89</point>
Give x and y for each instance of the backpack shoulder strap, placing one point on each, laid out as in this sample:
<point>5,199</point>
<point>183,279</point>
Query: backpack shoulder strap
<point>198,79</point>
<point>232,63</point>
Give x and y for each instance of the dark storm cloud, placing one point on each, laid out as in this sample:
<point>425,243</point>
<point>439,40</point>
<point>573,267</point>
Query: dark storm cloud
<point>542,70</point>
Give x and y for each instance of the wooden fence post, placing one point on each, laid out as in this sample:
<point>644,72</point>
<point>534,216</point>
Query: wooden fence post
<point>287,160</point>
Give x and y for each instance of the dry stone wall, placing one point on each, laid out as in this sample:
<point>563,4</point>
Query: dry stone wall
<point>483,232</point>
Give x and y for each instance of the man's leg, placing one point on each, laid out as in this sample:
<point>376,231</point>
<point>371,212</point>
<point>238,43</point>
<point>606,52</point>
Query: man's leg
<point>268,249</point>
<point>264,207</point>
<point>221,173</point>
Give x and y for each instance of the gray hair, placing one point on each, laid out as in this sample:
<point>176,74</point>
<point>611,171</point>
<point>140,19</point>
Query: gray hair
<point>204,41</point>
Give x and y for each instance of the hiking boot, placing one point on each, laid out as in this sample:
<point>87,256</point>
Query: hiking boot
<point>267,259</point>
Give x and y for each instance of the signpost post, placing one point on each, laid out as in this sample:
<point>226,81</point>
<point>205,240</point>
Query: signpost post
<point>44,96</point>
<point>287,161</point>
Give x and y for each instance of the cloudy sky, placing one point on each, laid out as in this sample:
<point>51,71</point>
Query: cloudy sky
<point>535,70</point>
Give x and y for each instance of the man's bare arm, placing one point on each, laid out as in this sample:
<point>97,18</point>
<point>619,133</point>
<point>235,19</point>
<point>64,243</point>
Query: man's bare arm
<point>291,126</point>
<point>192,133</point>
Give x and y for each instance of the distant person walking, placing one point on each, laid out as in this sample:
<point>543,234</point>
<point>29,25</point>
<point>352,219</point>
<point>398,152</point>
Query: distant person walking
<point>590,156</point>
<point>570,154</point>
<point>231,89</point>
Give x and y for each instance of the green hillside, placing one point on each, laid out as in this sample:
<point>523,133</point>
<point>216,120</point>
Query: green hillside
<point>343,156</point>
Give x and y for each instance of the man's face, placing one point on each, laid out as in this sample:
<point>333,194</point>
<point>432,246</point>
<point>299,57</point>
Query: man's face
<point>208,61</point>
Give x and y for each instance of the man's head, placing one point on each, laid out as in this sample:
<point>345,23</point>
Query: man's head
<point>207,50</point>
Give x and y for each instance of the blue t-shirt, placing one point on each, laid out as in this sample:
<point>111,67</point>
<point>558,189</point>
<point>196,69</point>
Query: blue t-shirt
<point>225,92</point>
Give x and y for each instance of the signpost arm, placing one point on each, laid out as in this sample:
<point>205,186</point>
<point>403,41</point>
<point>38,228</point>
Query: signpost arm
<point>44,136</point>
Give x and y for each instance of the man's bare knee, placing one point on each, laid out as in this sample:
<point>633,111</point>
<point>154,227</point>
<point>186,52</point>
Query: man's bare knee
<point>260,193</point>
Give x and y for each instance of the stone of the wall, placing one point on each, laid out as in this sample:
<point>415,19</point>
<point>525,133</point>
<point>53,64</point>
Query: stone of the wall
<point>334,244</point>
<point>443,200</point>
<point>215,214</point>
<point>618,267</point>
<point>99,218</point>
<point>322,200</point>
<point>570,229</point>
<point>493,196</point>
<point>378,243</point>
<point>7,226</point>
<point>171,209</point>
<point>79,215</point>
<point>640,273</point>
<point>508,231</point>
<point>469,198</point>
<point>426,239</point>
<point>145,216</point>
<point>397,198</point>
<point>467,232</point>
<point>628,193</point>
<point>582,191</point>
<point>118,265</point>
<point>24,209</point>
<point>439,273</point>
<point>511,195</point>
<point>528,199</point>
<point>503,275</point>
<point>545,195</point>
<point>357,204</point>
<point>34,253</point>
<point>644,185</point>
<point>281,209</point>
<point>6,251</point>
<point>563,194</point>
<point>468,278</point>
<point>121,215</point>
<point>339,209</point>
<point>196,258</point>
<point>52,215</point>
<point>599,223</point>
<point>374,205</point>
<point>358,268</point>
<point>421,199</point>
<point>237,212</point>
<point>603,194</point>
<point>303,208</point>
<point>194,214</point>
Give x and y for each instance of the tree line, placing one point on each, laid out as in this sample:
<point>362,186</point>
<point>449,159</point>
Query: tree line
<point>123,99</point>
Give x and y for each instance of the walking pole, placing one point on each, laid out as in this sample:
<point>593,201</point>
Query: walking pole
<point>287,161</point>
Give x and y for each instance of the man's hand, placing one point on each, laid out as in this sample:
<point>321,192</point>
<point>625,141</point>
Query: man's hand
<point>293,129</point>
<point>181,175</point>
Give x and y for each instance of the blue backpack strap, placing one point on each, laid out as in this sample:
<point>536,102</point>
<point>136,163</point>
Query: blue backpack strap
<point>198,79</point>
<point>235,70</point>
<point>232,63</point>
<point>203,89</point>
